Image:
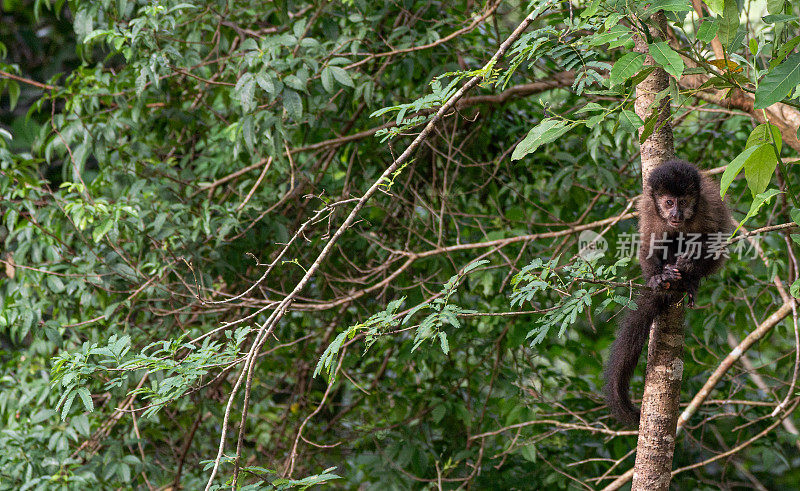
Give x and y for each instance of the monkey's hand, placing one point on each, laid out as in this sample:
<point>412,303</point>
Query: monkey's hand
<point>687,267</point>
<point>682,269</point>
<point>683,263</point>
<point>668,276</point>
<point>673,271</point>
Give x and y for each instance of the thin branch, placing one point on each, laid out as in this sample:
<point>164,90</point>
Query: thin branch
<point>266,329</point>
<point>742,445</point>
<point>557,424</point>
<point>27,81</point>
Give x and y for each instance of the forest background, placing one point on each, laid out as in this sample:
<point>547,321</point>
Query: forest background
<point>274,244</point>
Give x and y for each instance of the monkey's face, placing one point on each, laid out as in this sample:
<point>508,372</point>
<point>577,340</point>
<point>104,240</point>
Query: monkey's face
<point>675,210</point>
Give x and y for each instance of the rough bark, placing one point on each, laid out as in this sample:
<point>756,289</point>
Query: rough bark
<point>659,413</point>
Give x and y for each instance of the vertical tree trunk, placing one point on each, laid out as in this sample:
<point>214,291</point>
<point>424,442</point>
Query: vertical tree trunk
<point>664,364</point>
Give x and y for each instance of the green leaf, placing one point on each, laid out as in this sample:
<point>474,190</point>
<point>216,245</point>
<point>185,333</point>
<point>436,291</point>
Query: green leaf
<point>760,136</point>
<point>328,356</point>
<point>779,82</point>
<point>141,82</point>
<point>733,170</point>
<point>55,284</point>
<point>795,214</point>
<point>99,232</point>
<point>528,452</point>
<point>83,22</point>
<point>629,121</point>
<point>784,50</point>
<point>264,80</point>
<point>13,95</point>
<point>671,6</point>
<point>667,58</point>
<point>86,398</point>
<point>715,6</point>
<point>643,74</point>
<point>449,317</point>
<point>775,6</point>
<point>42,415</point>
<point>67,404</point>
<point>299,27</point>
<point>414,310</point>
<point>438,413</point>
<point>245,91</point>
<point>294,82</point>
<point>626,67</point>
<point>546,131</point>
<point>474,264</point>
<point>591,9</point>
<point>327,79</point>
<point>615,34</point>
<point>248,133</point>
<point>775,18</point>
<point>443,341</point>
<point>589,107</point>
<point>708,29</point>
<point>738,39</point>
<point>182,6</point>
<point>758,202</point>
<point>794,290</point>
<point>717,83</point>
<point>729,23</point>
<point>759,169</point>
<point>124,472</point>
<point>596,119</point>
<point>341,76</point>
<point>80,154</point>
<point>293,104</point>
<point>649,127</point>
<point>97,33</point>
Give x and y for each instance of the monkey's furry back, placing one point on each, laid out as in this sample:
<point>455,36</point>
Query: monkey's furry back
<point>711,216</point>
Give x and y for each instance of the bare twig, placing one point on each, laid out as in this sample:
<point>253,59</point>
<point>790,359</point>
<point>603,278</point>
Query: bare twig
<point>266,329</point>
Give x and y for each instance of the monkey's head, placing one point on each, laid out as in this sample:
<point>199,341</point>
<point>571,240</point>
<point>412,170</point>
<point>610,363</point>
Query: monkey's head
<point>675,188</point>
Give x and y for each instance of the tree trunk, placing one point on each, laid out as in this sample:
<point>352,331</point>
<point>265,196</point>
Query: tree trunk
<point>664,364</point>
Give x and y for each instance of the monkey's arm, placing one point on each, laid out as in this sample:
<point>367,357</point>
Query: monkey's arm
<point>696,268</point>
<point>659,276</point>
<point>699,264</point>
<point>690,270</point>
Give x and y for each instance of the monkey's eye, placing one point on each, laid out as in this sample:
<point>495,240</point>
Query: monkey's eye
<point>669,202</point>
<point>682,202</point>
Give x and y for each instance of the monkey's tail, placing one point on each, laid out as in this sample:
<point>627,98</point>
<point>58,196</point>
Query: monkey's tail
<point>625,351</point>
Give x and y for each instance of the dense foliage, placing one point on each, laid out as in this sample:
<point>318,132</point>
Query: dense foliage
<point>171,171</point>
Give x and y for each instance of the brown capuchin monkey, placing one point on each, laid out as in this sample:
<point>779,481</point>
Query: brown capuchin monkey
<point>683,227</point>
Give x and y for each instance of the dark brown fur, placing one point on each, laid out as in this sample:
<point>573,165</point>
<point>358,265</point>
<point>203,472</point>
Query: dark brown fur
<point>696,209</point>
